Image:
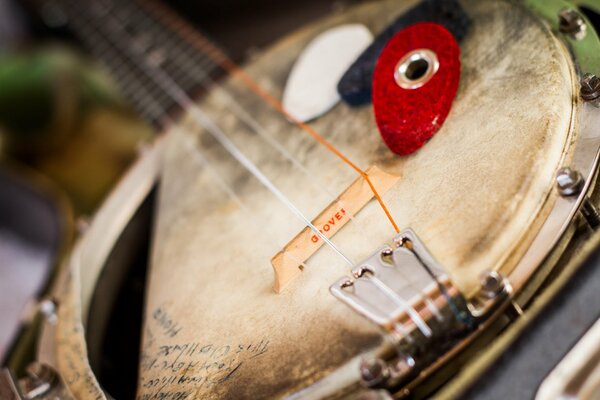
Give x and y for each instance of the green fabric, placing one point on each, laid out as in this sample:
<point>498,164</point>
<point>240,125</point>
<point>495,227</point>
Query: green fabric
<point>33,85</point>
<point>26,94</point>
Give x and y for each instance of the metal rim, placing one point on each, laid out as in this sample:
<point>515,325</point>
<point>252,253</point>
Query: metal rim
<point>585,54</point>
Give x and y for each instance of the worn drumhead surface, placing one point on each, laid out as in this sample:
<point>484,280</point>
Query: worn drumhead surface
<point>474,194</point>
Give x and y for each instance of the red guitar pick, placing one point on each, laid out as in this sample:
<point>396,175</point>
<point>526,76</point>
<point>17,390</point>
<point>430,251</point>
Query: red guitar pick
<point>414,84</point>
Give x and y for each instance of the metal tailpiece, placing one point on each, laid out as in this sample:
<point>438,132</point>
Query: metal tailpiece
<point>408,294</point>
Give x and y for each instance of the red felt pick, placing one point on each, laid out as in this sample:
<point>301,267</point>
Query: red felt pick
<point>407,118</point>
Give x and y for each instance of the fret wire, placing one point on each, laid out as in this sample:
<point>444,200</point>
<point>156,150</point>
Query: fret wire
<point>171,43</point>
<point>122,71</point>
<point>175,51</point>
<point>173,63</point>
<point>138,82</point>
<point>201,77</point>
<point>181,77</point>
<point>118,64</point>
<point>150,22</point>
<point>153,44</point>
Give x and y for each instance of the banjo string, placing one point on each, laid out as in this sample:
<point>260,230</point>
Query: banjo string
<point>163,80</point>
<point>192,149</point>
<point>203,78</point>
<point>242,114</point>
<point>204,120</point>
<point>153,109</point>
<point>203,44</point>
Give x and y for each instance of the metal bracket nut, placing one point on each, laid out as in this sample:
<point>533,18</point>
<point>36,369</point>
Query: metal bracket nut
<point>571,23</point>
<point>569,182</point>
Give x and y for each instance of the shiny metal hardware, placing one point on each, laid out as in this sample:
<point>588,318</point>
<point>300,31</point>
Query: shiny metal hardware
<point>416,68</point>
<point>492,284</point>
<point>378,373</point>
<point>373,372</point>
<point>408,294</point>
<point>493,292</point>
<point>41,382</point>
<point>403,290</point>
<point>395,282</point>
<point>571,23</point>
<point>569,182</point>
<point>47,308</point>
<point>590,89</point>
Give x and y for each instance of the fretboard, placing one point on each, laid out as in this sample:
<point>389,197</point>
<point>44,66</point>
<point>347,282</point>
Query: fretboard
<point>127,38</point>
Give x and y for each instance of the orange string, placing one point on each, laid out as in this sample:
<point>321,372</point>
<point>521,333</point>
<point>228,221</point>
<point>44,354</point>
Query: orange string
<point>203,44</point>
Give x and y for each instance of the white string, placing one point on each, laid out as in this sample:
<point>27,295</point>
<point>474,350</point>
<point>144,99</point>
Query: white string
<point>220,136</point>
<point>208,83</point>
<point>204,79</point>
<point>170,87</point>
<point>203,161</point>
<point>400,302</point>
<point>153,107</point>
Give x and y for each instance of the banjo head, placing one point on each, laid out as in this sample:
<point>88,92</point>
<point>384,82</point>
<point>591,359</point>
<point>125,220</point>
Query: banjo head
<point>480,197</point>
<point>476,194</point>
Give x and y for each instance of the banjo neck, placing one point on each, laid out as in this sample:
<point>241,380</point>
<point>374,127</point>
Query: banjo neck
<point>100,26</point>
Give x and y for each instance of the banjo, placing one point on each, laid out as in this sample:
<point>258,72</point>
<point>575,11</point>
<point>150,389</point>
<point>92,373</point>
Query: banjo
<point>366,242</point>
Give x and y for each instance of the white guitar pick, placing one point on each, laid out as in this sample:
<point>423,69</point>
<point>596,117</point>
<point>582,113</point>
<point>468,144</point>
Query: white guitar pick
<point>310,90</point>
